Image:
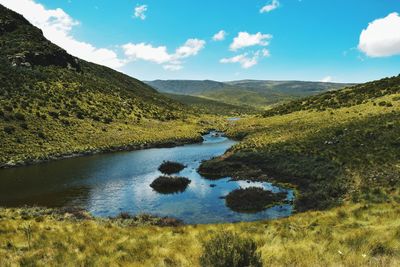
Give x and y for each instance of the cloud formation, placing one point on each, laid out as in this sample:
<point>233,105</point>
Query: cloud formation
<point>382,37</point>
<point>219,36</point>
<point>140,12</point>
<point>57,26</point>
<point>274,4</point>
<point>247,60</point>
<point>244,39</point>
<point>160,55</point>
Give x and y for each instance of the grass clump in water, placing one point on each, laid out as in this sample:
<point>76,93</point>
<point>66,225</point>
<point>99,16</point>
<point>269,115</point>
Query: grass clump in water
<point>253,199</point>
<point>170,167</point>
<point>229,249</point>
<point>170,184</point>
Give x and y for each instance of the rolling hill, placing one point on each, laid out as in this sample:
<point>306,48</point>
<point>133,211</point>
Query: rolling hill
<point>52,103</point>
<point>255,93</point>
<point>209,106</point>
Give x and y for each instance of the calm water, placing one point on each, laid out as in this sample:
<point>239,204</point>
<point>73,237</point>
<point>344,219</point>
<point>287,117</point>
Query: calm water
<point>108,184</point>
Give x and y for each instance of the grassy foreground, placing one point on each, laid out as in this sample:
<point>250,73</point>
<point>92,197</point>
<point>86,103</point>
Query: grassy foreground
<point>355,235</point>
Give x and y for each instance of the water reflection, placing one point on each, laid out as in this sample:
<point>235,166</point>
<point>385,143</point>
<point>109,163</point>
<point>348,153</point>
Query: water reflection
<point>111,183</point>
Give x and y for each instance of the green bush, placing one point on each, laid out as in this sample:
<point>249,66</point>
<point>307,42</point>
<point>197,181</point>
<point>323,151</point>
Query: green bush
<point>229,249</point>
<point>9,129</point>
<point>19,116</point>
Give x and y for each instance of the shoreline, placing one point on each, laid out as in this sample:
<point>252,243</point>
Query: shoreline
<point>85,153</point>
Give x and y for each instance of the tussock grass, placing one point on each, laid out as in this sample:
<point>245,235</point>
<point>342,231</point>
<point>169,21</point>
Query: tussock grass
<point>352,235</point>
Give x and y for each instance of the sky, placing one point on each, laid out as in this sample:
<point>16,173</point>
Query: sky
<point>314,40</point>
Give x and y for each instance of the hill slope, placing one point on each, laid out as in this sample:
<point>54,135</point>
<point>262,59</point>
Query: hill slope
<point>52,103</point>
<point>209,106</point>
<point>336,147</point>
<point>246,92</point>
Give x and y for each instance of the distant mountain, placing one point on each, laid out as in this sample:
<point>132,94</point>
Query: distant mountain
<point>209,106</point>
<point>256,93</point>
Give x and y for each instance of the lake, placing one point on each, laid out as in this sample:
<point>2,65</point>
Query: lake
<point>108,184</point>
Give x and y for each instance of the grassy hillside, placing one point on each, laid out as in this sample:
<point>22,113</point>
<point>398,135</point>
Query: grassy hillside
<point>259,94</point>
<point>348,97</point>
<point>331,155</point>
<point>52,103</point>
<point>208,106</point>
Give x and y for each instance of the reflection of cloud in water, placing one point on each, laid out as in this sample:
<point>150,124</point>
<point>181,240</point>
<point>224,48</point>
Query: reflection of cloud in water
<point>142,192</point>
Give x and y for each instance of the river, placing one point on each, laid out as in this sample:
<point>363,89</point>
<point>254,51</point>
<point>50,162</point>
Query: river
<point>108,184</point>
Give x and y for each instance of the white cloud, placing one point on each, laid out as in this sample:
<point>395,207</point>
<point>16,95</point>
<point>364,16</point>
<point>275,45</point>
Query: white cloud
<point>160,55</point>
<point>265,52</point>
<point>190,48</point>
<point>382,37</point>
<point>326,79</point>
<point>274,4</point>
<point>245,60</point>
<point>219,36</point>
<point>245,39</point>
<point>140,12</point>
<point>56,26</point>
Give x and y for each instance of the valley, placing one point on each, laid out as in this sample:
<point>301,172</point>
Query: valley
<point>303,173</point>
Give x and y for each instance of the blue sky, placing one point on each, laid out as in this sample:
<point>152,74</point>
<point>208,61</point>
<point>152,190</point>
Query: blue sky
<point>297,40</point>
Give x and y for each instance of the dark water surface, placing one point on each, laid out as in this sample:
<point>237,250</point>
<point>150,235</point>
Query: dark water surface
<point>108,184</point>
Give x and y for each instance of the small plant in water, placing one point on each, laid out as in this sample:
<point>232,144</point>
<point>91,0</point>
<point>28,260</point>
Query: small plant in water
<point>170,184</point>
<point>170,167</point>
<point>229,249</point>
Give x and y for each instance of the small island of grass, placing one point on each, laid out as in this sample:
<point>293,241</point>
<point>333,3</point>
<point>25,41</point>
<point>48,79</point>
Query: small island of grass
<point>170,184</point>
<point>170,167</point>
<point>253,199</point>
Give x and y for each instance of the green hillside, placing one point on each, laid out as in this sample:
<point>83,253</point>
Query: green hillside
<point>208,106</point>
<point>341,146</point>
<point>52,103</point>
<point>348,97</point>
<point>259,94</point>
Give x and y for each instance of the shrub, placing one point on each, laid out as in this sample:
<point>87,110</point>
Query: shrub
<point>170,167</point>
<point>24,126</point>
<point>41,135</point>
<point>229,249</point>
<point>107,120</point>
<point>80,115</point>
<point>19,116</point>
<point>64,113</point>
<point>169,185</point>
<point>9,129</point>
<point>53,114</point>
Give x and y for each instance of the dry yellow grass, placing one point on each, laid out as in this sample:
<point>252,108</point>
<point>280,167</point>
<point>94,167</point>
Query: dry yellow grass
<point>352,235</point>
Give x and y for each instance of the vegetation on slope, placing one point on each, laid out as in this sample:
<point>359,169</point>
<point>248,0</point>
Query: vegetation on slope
<point>204,105</point>
<point>52,103</point>
<point>355,235</point>
<point>331,156</point>
<point>348,97</point>
<point>254,93</point>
